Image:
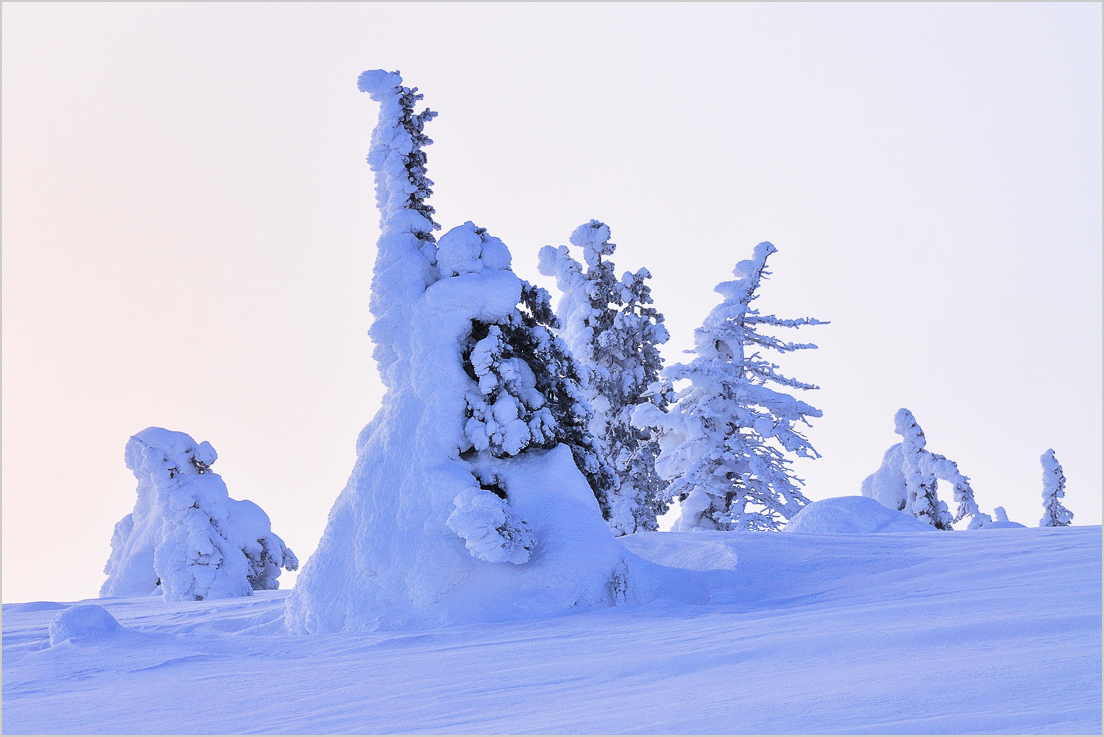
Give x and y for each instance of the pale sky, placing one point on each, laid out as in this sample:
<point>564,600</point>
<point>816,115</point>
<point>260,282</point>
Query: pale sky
<point>189,226</point>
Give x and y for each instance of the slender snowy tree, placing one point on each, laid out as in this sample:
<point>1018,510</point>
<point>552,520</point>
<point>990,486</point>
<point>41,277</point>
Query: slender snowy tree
<point>1054,488</point>
<point>406,251</point>
<point>612,329</point>
<point>726,437</point>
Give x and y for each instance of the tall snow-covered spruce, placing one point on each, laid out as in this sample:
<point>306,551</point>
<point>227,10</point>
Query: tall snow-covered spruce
<point>186,538</point>
<point>1054,488</point>
<point>612,329</point>
<point>478,490</point>
<point>726,437</point>
<point>909,476</point>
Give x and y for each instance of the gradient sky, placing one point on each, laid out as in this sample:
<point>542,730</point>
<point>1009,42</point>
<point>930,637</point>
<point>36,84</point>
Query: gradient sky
<point>189,226</point>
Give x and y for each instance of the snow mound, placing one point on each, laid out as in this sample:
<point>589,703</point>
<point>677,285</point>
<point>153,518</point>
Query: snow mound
<point>852,514</point>
<point>82,620</point>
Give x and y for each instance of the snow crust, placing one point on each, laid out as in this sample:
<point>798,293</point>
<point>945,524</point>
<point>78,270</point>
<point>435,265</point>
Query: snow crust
<point>852,514</point>
<point>186,538</point>
<point>82,620</point>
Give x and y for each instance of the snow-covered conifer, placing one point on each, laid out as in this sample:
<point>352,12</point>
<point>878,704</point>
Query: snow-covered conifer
<point>908,480</point>
<point>529,390</point>
<point>1054,488</point>
<point>612,329</point>
<point>726,437</point>
<point>921,485</point>
<point>478,487</point>
<point>186,537</point>
<point>407,252</point>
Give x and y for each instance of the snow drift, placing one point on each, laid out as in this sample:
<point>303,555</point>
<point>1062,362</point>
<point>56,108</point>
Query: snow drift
<point>852,514</point>
<point>82,620</point>
<point>186,537</point>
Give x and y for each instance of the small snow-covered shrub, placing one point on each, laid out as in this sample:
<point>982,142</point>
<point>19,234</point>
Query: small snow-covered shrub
<point>186,537</point>
<point>727,435</point>
<point>1054,488</point>
<point>82,620</point>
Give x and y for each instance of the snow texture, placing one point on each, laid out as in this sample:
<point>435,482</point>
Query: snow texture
<point>186,537</point>
<point>999,632</point>
<point>82,620</point>
<point>726,437</point>
<point>613,331</point>
<point>908,480</point>
<point>852,514</point>
<point>1054,488</point>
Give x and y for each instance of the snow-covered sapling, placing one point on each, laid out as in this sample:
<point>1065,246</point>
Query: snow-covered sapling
<point>614,332</point>
<point>1054,488</point>
<point>726,437</point>
<point>186,537</point>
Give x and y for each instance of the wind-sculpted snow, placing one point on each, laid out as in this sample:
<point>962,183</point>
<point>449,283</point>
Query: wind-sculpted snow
<point>908,633</point>
<point>186,538</point>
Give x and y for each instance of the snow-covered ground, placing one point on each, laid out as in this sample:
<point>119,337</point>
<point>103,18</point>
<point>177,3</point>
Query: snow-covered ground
<point>909,632</point>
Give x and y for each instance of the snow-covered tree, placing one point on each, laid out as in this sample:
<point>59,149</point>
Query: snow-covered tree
<point>186,537</point>
<point>612,329</point>
<point>478,487</point>
<point>406,251</point>
<point>1054,488</point>
<point>726,437</point>
<point>529,389</point>
<point>921,486</point>
<point>909,475</point>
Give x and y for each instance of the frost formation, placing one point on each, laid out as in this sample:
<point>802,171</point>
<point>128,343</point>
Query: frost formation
<point>186,538</point>
<point>612,329</point>
<point>726,436</point>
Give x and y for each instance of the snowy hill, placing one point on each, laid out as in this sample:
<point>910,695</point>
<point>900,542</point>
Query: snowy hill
<point>910,632</point>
